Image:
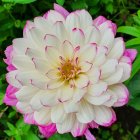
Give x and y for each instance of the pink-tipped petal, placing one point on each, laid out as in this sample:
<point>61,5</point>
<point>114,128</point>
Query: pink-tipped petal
<point>8,53</point>
<point>122,94</point>
<point>112,120</point>
<point>79,129</point>
<point>29,25</point>
<point>29,118</point>
<point>61,10</point>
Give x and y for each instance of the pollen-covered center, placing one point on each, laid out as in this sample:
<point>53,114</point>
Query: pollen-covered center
<point>69,69</point>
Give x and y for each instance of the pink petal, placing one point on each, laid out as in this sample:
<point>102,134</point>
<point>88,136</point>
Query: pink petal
<point>99,20</point>
<point>89,136</point>
<point>61,10</point>
<point>131,53</point>
<point>93,125</point>
<point>48,130</point>
<point>10,98</point>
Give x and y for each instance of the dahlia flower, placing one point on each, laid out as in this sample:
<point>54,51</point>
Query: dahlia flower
<point>66,72</point>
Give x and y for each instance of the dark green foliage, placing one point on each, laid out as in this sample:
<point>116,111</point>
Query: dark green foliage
<point>126,13</point>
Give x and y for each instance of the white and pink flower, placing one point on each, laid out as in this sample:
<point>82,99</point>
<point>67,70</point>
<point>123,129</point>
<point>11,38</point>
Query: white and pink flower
<point>66,73</point>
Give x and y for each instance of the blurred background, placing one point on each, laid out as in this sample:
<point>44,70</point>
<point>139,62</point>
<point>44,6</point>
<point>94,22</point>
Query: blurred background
<point>125,13</point>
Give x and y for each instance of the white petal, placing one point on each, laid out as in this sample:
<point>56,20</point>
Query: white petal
<point>35,102</point>
<point>42,65</point>
<point>88,52</point>
<point>60,31</point>
<point>116,77</point>
<point>53,84</point>
<point>57,114</point>
<point>53,56</point>
<point>97,89</point>
<point>51,40</point>
<point>108,68</point>
<point>65,93</point>
<point>26,93</point>
<point>104,115</point>
<point>78,94</point>
<point>32,78</point>
<point>126,71</point>
<point>54,16</point>
<point>82,81</point>
<point>35,53</point>
<point>78,19</point>
<point>36,37</point>
<point>85,18</point>
<point>117,49</point>
<point>29,25</point>
<point>68,50</point>
<point>113,98</point>
<point>94,75</point>
<point>42,116</point>
<point>52,74</point>
<point>48,97</point>
<point>23,62</point>
<point>77,37</point>
<point>85,112</point>
<point>72,21</point>
<point>92,35</point>
<point>11,78</point>
<point>85,66</point>
<point>100,56</point>
<point>97,100</point>
<point>43,24</point>
<point>107,38</point>
<point>20,45</point>
<point>67,124</point>
<point>70,106</point>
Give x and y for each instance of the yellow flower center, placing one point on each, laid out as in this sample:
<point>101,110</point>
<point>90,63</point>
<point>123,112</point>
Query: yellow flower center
<point>69,69</point>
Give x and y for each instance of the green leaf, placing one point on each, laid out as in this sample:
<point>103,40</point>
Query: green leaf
<point>11,126</point>
<point>1,98</point>
<point>21,125</point>
<point>134,87</point>
<point>30,136</point>
<point>129,30</point>
<point>135,103</point>
<point>132,42</point>
<point>135,68</point>
<point>62,137</point>
<point>19,1</point>
<point>9,133</point>
<point>79,5</point>
<point>17,137</point>
<point>60,2</point>
<point>12,114</point>
<point>138,13</point>
<point>109,8</point>
<point>137,20</point>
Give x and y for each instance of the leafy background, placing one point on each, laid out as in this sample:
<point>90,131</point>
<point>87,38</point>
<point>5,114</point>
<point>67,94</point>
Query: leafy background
<point>126,13</point>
